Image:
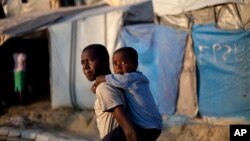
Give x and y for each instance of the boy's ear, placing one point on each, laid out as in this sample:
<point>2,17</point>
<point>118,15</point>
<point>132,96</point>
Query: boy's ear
<point>136,64</point>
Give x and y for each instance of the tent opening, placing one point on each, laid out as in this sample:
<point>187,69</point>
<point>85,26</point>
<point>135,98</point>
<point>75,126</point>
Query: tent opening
<point>36,86</point>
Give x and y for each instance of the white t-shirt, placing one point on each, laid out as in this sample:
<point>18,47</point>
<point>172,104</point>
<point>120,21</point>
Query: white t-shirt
<point>107,97</point>
<point>20,64</point>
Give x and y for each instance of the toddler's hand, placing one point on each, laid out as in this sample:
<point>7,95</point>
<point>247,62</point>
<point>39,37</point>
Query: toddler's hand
<point>93,88</point>
<point>99,79</point>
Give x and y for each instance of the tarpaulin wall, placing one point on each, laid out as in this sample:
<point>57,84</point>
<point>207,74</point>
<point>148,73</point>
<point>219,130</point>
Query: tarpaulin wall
<point>223,71</point>
<point>69,86</point>
<point>221,54</point>
<point>161,51</point>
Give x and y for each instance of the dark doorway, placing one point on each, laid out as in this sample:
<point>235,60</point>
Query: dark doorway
<point>37,86</point>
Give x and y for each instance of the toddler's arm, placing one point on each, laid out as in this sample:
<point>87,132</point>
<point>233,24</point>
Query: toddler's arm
<point>118,80</point>
<point>98,80</point>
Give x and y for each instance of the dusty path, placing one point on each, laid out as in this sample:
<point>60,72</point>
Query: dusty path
<point>82,123</point>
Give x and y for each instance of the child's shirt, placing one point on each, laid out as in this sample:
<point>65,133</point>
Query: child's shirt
<point>19,59</point>
<point>140,102</point>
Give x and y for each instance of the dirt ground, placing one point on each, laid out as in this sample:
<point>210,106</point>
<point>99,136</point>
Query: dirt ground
<point>82,123</point>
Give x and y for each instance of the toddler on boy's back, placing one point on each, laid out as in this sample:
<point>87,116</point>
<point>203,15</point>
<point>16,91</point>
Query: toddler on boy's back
<point>141,105</point>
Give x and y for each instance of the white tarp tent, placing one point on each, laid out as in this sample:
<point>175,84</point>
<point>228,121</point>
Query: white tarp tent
<point>69,86</point>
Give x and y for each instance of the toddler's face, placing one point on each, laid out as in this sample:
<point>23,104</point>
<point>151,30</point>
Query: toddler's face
<point>122,64</point>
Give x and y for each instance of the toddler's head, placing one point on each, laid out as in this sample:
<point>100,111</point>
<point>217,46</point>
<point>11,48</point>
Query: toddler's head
<point>125,60</point>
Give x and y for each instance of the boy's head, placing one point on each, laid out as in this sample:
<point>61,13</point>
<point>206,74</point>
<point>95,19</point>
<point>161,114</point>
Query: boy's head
<point>125,60</point>
<point>95,61</point>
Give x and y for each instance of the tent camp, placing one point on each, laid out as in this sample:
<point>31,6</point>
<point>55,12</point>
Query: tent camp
<point>195,53</point>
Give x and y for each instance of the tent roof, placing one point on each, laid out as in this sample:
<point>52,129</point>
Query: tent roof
<point>27,22</point>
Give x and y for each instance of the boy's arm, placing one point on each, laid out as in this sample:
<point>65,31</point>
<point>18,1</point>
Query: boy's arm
<point>125,123</point>
<point>121,81</point>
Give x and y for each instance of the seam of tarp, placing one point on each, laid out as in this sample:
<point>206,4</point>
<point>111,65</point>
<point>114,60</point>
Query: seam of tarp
<point>105,30</point>
<point>72,65</point>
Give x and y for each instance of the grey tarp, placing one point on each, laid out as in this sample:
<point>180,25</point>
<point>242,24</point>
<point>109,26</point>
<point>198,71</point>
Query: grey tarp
<point>28,22</point>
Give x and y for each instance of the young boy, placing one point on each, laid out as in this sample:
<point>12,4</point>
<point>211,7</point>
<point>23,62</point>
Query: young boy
<point>141,105</point>
<point>112,119</point>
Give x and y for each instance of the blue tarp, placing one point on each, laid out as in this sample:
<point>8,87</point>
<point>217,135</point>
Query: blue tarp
<point>161,51</point>
<point>223,69</point>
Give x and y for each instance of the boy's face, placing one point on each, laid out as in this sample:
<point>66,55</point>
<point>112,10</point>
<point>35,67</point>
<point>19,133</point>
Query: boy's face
<point>122,64</point>
<point>91,64</point>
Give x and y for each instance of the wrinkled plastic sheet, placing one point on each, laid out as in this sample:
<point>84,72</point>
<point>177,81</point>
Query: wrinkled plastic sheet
<point>223,70</point>
<point>17,7</point>
<point>227,16</point>
<point>175,7</point>
<point>233,16</point>
<point>161,50</point>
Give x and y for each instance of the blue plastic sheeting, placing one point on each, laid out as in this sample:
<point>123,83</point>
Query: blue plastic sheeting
<point>161,51</point>
<point>223,61</point>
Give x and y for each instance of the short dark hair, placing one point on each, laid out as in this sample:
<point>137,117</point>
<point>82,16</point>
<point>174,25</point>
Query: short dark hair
<point>101,51</point>
<point>131,52</point>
